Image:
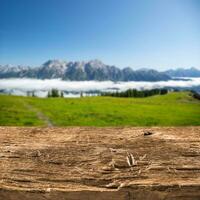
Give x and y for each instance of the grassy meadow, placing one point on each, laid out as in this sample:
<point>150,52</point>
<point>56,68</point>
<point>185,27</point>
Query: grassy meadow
<point>173,109</point>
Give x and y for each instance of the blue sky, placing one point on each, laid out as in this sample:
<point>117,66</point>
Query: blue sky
<point>157,34</point>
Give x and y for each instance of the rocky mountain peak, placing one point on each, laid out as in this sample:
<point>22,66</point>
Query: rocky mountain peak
<point>55,64</point>
<point>96,63</point>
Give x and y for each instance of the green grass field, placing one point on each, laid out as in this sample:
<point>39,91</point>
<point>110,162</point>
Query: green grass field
<point>173,109</point>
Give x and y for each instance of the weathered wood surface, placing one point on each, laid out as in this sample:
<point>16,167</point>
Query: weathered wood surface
<point>91,163</point>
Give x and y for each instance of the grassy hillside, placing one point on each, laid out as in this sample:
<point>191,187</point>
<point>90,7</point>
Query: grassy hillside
<point>174,109</point>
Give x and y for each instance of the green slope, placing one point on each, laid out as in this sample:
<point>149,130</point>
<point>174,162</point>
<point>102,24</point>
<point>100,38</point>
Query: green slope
<point>174,109</point>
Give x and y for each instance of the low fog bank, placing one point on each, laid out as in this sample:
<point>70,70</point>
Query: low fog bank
<point>74,88</point>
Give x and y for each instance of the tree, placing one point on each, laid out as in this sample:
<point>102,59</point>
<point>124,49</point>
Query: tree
<point>49,94</point>
<point>62,94</point>
<point>53,93</point>
<point>33,94</point>
<point>28,93</point>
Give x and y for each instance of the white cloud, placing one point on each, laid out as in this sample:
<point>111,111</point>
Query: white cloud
<point>20,86</point>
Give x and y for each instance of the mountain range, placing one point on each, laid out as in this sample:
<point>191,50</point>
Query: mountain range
<point>91,70</point>
<point>180,72</point>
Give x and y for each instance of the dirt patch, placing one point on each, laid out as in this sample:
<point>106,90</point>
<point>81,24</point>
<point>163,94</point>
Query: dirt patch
<point>91,163</point>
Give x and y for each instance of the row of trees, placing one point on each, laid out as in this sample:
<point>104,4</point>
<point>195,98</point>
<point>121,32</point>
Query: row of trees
<point>136,93</point>
<point>127,93</point>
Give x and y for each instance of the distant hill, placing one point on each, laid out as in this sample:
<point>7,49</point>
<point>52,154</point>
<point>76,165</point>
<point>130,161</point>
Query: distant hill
<point>79,71</point>
<point>191,72</point>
